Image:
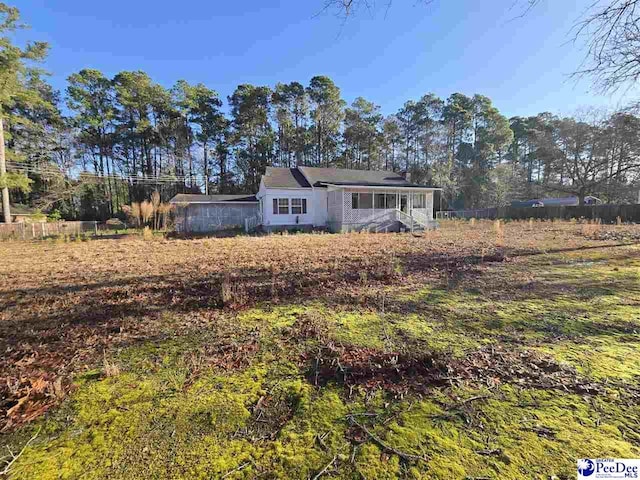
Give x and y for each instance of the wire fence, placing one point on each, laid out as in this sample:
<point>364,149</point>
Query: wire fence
<point>39,230</point>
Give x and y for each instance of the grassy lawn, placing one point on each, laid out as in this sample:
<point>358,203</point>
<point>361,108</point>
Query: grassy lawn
<point>471,352</point>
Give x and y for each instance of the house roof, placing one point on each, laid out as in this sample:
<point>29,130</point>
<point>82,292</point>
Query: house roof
<point>197,198</point>
<point>555,202</point>
<point>343,176</point>
<point>567,201</point>
<point>284,178</point>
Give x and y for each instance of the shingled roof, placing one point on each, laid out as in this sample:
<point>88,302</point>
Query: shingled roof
<point>197,198</point>
<point>342,176</point>
<point>284,178</point>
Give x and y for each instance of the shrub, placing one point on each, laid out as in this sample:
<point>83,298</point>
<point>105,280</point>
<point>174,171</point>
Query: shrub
<point>146,211</point>
<point>54,216</point>
<point>116,224</point>
<point>147,234</point>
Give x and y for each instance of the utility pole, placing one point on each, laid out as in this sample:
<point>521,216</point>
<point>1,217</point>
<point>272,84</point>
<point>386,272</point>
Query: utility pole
<point>3,171</point>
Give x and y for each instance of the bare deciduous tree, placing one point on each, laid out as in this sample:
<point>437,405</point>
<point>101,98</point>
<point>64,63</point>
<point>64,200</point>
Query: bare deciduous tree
<point>612,36</point>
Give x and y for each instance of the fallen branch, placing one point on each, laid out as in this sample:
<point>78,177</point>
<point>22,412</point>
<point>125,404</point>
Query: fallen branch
<point>457,408</point>
<point>324,470</point>
<point>321,438</point>
<point>7,467</point>
<point>489,452</point>
<point>384,445</point>
<point>471,399</point>
<point>237,469</point>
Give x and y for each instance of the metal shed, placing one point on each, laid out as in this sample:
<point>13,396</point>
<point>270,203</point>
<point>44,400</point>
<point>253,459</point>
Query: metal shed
<point>196,213</point>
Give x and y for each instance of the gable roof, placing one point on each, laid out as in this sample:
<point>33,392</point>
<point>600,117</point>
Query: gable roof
<point>284,178</point>
<point>197,198</point>
<point>342,176</point>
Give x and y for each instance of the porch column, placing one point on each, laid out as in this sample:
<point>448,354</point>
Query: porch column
<point>343,208</point>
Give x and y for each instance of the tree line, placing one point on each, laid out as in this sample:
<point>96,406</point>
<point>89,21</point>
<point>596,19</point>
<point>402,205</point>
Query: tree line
<point>106,142</point>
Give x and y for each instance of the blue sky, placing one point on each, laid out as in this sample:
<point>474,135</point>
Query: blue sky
<point>387,56</point>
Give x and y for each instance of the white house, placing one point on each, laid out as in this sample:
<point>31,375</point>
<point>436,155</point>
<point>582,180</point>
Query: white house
<point>343,200</point>
<point>306,197</point>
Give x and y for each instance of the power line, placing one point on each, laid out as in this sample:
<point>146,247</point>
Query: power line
<point>152,179</point>
<point>53,170</point>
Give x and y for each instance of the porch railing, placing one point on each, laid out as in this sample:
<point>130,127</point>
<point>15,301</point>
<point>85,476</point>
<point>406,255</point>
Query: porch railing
<point>405,219</point>
<point>416,219</point>
<point>423,220</point>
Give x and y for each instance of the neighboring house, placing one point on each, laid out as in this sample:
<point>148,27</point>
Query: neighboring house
<point>305,198</point>
<point>19,213</point>
<point>206,213</point>
<point>556,202</point>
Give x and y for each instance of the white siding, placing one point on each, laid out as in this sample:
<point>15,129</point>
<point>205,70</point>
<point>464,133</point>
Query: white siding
<point>335,208</point>
<point>268,217</point>
<point>320,207</point>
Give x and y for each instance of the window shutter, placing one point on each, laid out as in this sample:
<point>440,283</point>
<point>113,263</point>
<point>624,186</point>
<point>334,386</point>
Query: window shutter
<point>275,206</point>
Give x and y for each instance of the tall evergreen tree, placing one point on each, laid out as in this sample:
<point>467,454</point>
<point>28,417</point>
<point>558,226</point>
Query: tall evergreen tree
<point>327,114</point>
<point>14,86</point>
<point>252,135</point>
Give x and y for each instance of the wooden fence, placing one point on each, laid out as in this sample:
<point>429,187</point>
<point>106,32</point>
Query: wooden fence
<point>606,213</point>
<point>37,230</point>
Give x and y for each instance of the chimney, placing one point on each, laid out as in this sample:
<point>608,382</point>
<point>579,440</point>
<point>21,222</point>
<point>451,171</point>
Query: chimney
<point>406,175</point>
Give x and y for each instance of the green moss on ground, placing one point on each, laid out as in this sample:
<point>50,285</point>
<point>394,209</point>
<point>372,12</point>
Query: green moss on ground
<point>128,426</point>
<point>174,412</point>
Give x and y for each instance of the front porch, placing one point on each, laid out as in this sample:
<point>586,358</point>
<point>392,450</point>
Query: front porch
<point>380,209</point>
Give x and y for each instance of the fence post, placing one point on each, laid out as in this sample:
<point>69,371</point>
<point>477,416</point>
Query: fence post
<point>95,228</point>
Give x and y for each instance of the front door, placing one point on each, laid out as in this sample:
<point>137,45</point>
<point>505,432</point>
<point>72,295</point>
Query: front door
<point>404,203</point>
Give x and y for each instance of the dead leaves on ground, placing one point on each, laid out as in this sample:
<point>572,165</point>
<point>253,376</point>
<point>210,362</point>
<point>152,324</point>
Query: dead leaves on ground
<point>397,373</point>
<point>63,305</point>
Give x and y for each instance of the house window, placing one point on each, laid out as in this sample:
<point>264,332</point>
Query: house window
<point>280,206</point>
<point>385,201</point>
<point>419,200</point>
<point>298,206</point>
<point>391,200</point>
<point>361,201</point>
<point>366,200</point>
